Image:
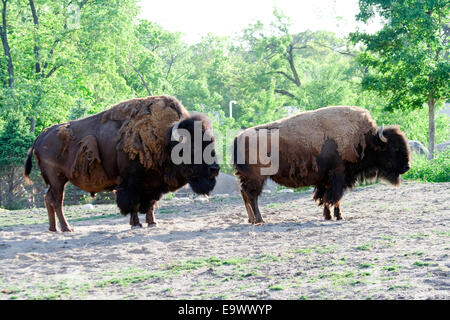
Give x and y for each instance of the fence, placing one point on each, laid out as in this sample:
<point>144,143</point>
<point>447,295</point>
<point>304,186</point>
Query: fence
<point>16,194</point>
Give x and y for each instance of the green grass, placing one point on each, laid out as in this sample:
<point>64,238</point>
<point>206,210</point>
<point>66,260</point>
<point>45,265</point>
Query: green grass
<point>421,264</point>
<point>365,246</point>
<point>276,287</point>
<point>435,170</point>
<point>365,265</point>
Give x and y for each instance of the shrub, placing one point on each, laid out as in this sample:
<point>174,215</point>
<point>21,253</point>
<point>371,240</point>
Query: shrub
<point>435,170</point>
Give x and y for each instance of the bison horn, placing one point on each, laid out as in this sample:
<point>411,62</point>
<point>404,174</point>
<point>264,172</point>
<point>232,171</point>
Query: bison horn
<point>380,134</point>
<point>175,134</point>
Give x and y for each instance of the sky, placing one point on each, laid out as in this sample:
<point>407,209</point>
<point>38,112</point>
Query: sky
<point>196,18</point>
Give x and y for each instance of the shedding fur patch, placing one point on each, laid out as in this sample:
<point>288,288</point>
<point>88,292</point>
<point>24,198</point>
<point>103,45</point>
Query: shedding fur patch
<point>87,168</point>
<point>144,127</point>
<point>65,134</point>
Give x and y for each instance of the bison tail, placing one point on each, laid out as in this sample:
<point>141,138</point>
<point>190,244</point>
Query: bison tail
<point>28,166</point>
<point>237,156</point>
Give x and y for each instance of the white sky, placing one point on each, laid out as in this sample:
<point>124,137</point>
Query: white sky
<point>195,18</point>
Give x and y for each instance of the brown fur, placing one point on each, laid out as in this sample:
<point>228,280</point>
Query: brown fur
<point>144,126</point>
<point>329,148</point>
<point>346,125</point>
<point>87,168</point>
<point>97,152</point>
<point>65,134</point>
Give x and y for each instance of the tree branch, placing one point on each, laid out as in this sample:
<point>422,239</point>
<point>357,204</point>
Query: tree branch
<point>142,79</point>
<point>292,65</point>
<point>284,92</point>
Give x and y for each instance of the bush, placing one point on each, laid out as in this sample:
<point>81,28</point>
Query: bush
<point>435,170</point>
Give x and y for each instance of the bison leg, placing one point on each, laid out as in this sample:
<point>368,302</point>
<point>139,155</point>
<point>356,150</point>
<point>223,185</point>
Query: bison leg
<point>326,211</point>
<point>334,194</point>
<point>51,211</point>
<point>337,211</point>
<point>134,220</point>
<point>150,216</point>
<point>250,190</point>
<point>255,208</point>
<point>54,202</point>
<point>248,207</point>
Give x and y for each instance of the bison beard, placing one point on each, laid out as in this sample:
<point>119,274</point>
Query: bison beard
<point>330,148</point>
<point>125,149</point>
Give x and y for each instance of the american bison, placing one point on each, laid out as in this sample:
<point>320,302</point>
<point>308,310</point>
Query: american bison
<point>329,148</point>
<point>126,149</point>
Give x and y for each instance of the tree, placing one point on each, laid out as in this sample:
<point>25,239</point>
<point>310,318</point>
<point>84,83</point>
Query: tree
<point>15,139</point>
<point>407,60</point>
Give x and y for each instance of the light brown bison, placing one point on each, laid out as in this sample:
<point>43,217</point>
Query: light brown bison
<point>126,148</point>
<point>329,148</point>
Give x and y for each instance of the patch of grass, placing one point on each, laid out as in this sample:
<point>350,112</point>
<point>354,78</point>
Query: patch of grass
<point>276,287</point>
<point>194,264</point>
<point>324,249</point>
<point>443,233</point>
<point>393,268</point>
<point>365,246</point>
<point>418,236</point>
<point>303,250</point>
<point>274,205</point>
<point>365,265</point>
<point>267,258</point>
<point>421,264</point>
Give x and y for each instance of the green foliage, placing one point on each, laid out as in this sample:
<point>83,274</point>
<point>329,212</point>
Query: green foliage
<point>414,123</point>
<point>406,59</point>
<point>64,71</point>
<point>15,140</point>
<point>435,170</point>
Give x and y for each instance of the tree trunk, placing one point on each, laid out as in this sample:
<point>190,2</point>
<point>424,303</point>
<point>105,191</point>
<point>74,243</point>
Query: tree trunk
<point>36,46</point>
<point>32,124</point>
<point>6,49</point>
<point>431,128</point>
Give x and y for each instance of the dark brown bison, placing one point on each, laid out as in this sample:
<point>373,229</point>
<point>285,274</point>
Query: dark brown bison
<point>329,148</point>
<point>126,148</point>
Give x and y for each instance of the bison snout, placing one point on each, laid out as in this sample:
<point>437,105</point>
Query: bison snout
<point>405,168</point>
<point>214,170</point>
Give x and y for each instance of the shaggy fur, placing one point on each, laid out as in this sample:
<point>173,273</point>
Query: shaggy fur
<point>330,148</point>
<point>124,148</point>
<point>87,168</point>
<point>144,126</point>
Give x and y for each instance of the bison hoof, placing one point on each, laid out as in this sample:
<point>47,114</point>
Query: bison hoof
<point>327,217</point>
<point>339,218</point>
<point>136,226</point>
<point>67,229</point>
<point>152,224</point>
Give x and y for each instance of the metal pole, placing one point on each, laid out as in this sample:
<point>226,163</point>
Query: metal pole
<point>231,108</point>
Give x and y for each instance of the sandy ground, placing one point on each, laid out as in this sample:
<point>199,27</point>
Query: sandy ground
<point>393,244</point>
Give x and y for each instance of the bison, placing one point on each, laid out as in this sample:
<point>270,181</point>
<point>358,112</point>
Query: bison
<point>330,148</point>
<point>126,149</point>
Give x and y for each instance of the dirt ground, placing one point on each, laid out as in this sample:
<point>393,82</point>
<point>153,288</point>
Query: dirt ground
<point>393,244</point>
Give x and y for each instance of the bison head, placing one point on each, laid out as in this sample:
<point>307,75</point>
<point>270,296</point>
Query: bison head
<point>393,153</point>
<point>192,154</point>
